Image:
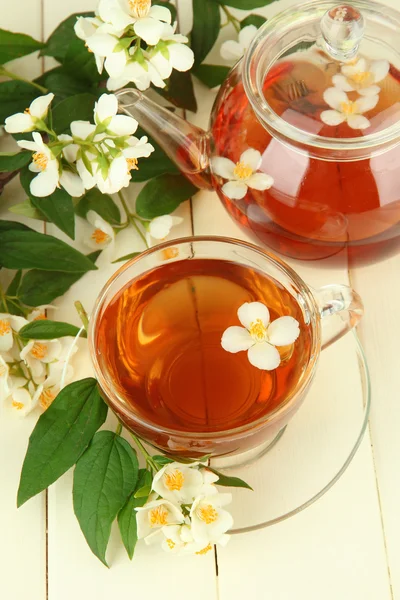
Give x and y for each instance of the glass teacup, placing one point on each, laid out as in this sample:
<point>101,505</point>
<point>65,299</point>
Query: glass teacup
<point>155,342</point>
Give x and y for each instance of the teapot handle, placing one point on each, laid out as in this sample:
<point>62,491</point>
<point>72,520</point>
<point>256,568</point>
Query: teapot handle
<point>340,308</point>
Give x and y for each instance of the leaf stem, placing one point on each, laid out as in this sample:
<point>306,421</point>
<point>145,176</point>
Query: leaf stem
<point>16,77</point>
<point>148,457</point>
<point>119,429</point>
<point>231,19</point>
<point>82,314</point>
<point>131,218</point>
<point>3,299</point>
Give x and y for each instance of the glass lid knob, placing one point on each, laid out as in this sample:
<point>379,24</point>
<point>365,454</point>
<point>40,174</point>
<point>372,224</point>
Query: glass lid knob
<point>342,30</point>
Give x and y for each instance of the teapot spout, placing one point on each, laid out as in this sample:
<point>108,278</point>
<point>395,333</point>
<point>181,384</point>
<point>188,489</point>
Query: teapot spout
<point>185,144</point>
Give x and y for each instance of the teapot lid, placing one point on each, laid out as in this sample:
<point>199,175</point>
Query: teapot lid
<point>325,78</point>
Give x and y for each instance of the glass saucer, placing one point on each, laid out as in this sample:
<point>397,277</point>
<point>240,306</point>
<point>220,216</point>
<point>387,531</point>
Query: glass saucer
<point>316,448</point>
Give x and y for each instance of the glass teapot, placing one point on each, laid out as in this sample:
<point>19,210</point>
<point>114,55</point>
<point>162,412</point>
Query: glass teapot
<point>303,148</point>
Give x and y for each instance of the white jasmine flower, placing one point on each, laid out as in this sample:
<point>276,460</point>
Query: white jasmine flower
<point>85,28</point>
<point>141,73</point>
<point>178,539</point>
<point>103,43</point>
<point>38,353</point>
<point>44,163</point>
<point>260,337</point>
<point>242,175</point>
<point>181,483</point>
<point>159,228</point>
<point>345,110</point>
<point>154,515</point>
<point>39,313</point>
<point>115,179</point>
<point>145,18</point>
<point>232,50</point>
<point>4,374</point>
<point>362,77</point>
<point>137,148</point>
<point>49,389</point>
<point>28,120</point>
<point>105,113</point>
<point>72,183</point>
<point>8,324</point>
<point>210,521</point>
<point>98,234</point>
<point>172,53</point>
<point>20,396</point>
<point>70,152</point>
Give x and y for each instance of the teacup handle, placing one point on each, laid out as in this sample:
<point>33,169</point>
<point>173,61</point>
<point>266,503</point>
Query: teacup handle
<point>341,309</point>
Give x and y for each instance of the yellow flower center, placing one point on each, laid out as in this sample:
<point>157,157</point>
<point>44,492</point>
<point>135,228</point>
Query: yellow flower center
<point>174,480</point>
<point>139,8</point>
<point>17,405</point>
<point>41,317</point>
<point>171,544</point>
<point>258,331</point>
<point>40,160</point>
<point>208,514</point>
<point>348,108</point>
<point>3,370</point>
<point>158,516</point>
<point>242,171</point>
<point>363,79</point>
<point>100,236</point>
<point>5,327</point>
<point>204,550</point>
<point>87,46</point>
<point>132,164</point>
<point>46,398</point>
<point>39,350</point>
<point>27,111</point>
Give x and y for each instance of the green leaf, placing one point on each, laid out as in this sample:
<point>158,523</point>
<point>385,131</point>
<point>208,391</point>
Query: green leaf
<point>163,195</point>
<point>79,60</point>
<point>13,226</point>
<point>105,476</point>
<point>59,41</point>
<point>32,250</point>
<point>61,435</point>
<point>206,26</point>
<point>62,83</point>
<point>246,4</point>
<point>26,209</point>
<point>162,460</point>
<point>226,481</point>
<point>179,91</point>
<point>12,162</point>
<point>75,108</point>
<point>58,208</point>
<point>256,20</point>
<point>14,45</point>
<point>126,257</point>
<point>16,96</point>
<point>47,330</point>
<point>12,289</point>
<point>41,287</point>
<point>127,516</point>
<point>101,203</point>
<point>211,75</point>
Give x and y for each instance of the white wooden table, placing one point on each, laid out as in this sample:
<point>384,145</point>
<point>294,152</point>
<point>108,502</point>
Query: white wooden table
<point>345,547</point>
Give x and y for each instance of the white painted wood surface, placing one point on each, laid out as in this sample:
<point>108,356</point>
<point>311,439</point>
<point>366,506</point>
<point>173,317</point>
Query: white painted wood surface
<point>344,547</point>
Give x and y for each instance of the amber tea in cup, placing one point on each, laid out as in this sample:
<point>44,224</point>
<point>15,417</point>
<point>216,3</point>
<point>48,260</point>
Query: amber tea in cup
<point>156,343</point>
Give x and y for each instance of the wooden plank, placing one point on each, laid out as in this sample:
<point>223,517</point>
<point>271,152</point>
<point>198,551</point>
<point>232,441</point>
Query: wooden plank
<point>23,530</point>
<point>379,287</point>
